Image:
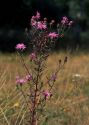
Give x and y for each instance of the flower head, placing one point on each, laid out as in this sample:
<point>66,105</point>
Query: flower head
<point>53,35</point>
<point>64,20</point>
<point>20,80</point>
<point>29,77</point>
<point>70,23</point>
<point>47,94</point>
<point>41,25</point>
<point>33,56</point>
<point>20,46</point>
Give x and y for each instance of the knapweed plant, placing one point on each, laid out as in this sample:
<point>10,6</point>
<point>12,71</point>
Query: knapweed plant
<point>43,37</point>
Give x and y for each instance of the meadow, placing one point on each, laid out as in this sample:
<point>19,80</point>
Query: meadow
<point>69,104</point>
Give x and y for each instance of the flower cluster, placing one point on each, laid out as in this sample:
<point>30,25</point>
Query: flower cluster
<point>65,21</point>
<point>38,24</point>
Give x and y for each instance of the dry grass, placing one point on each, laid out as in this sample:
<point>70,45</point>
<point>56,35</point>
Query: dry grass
<point>68,106</point>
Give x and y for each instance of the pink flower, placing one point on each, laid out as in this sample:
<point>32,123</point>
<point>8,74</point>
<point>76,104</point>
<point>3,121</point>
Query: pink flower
<point>44,26</point>
<point>20,80</point>
<point>20,46</point>
<point>33,56</point>
<point>37,15</point>
<point>47,94</point>
<point>64,20</point>
<point>53,35</point>
<point>29,77</point>
<point>41,26</point>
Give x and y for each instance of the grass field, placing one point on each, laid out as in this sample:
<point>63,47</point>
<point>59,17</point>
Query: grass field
<point>70,102</point>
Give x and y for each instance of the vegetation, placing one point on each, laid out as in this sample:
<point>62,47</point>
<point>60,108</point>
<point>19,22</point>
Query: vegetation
<point>33,99</point>
<point>70,103</point>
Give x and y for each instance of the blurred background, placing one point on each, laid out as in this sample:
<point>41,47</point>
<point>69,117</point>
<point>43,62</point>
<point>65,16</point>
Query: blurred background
<point>15,17</point>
